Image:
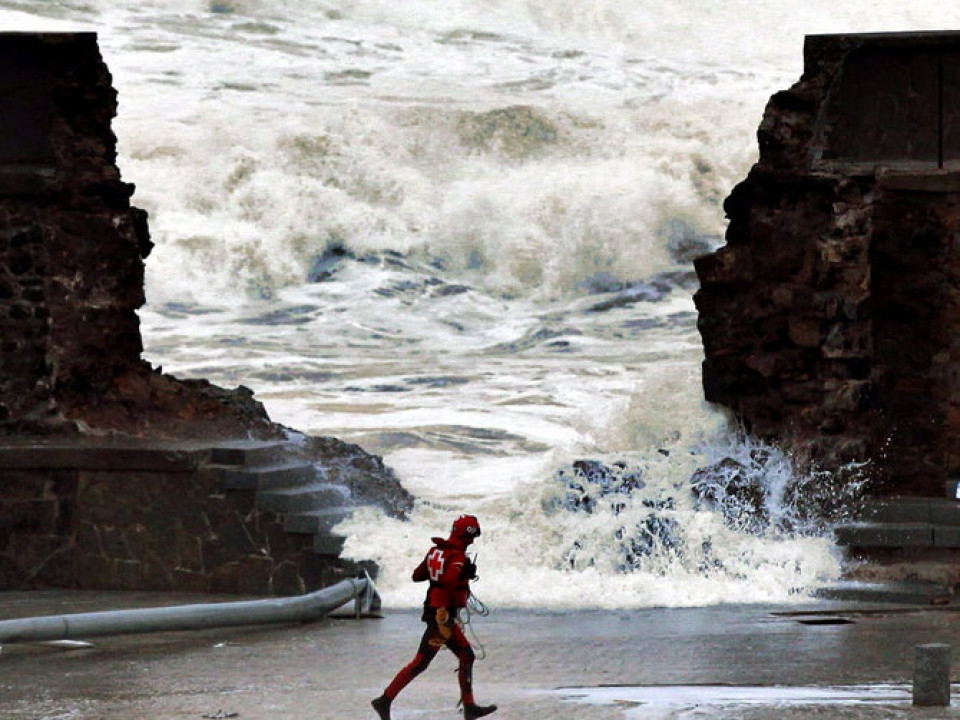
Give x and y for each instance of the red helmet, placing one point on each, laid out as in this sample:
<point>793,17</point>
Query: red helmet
<point>466,528</point>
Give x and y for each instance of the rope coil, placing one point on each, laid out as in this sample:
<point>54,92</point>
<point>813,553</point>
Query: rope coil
<point>474,606</point>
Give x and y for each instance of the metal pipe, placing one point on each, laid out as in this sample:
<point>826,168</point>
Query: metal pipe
<point>311,606</point>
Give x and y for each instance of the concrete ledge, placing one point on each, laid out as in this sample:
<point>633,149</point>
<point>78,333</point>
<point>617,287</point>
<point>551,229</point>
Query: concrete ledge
<point>16,180</point>
<point>925,181</point>
<point>75,457</point>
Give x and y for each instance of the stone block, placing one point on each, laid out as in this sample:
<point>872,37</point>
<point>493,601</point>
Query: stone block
<point>944,512</point>
<point>254,573</point>
<point>35,517</point>
<point>270,477</point>
<point>189,551</point>
<point>115,543</point>
<point>22,484</point>
<point>225,579</point>
<point>75,455</point>
<point>946,536</point>
<point>129,575</point>
<point>156,575</point>
<point>885,535</point>
<point>248,452</point>
<point>912,510</point>
<point>804,332</point>
<point>316,521</point>
<point>185,580</point>
<point>95,572</point>
<point>952,489</point>
<point>326,544</point>
<point>314,497</point>
<point>286,580</point>
<point>313,571</point>
<point>57,570</point>
<point>88,539</point>
<point>236,538</point>
<point>13,576</point>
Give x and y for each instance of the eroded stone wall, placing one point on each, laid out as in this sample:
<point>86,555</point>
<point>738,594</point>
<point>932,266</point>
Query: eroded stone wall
<point>71,280</point>
<point>829,316</point>
<point>71,246</point>
<point>152,530</point>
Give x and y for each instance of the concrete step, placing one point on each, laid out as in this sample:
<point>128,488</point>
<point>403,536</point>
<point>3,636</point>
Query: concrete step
<point>937,511</point>
<point>249,453</point>
<point>875,534</point>
<point>316,522</point>
<point>318,496</point>
<point>266,477</point>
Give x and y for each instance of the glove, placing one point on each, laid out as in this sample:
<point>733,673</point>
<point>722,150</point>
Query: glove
<point>469,571</point>
<point>443,623</point>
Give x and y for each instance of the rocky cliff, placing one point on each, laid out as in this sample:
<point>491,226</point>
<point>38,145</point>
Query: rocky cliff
<point>71,262</point>
<point>828,316</point>
<point>77,401</point>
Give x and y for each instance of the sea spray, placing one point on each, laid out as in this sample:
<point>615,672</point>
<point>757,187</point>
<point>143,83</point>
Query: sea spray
<point>459,233</point>
<point>612,533</point>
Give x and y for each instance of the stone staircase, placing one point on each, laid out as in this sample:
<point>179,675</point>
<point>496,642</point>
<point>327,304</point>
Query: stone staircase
<point>309,503</point>
<point>902,549</point>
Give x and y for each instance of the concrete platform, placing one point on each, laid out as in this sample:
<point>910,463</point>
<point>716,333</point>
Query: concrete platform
<point>805,659</point>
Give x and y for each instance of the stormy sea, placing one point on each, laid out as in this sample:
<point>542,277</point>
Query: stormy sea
<point>460,234</point>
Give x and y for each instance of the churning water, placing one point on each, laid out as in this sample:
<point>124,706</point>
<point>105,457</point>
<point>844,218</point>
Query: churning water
<point>459,233</point>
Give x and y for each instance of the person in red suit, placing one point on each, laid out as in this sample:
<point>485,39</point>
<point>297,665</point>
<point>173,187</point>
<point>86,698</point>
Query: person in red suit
<point>449,571</point>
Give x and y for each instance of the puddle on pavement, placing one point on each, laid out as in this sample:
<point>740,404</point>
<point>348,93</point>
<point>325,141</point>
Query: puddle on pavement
<point>671,701</point>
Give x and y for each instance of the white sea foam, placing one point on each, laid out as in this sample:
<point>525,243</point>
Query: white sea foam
<point>497,178</point>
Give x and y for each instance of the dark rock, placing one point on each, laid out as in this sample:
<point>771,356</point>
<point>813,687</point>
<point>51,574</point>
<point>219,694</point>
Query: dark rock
<point>286,580</point>
<point>254,575</point>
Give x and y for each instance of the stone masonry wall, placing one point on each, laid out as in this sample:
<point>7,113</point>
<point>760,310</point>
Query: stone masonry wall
<point>71,246</point>
<point>71,263</point>
<point>147,530</point>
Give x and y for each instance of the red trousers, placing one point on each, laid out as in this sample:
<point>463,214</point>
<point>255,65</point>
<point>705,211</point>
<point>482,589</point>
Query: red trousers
<point>430,645</point>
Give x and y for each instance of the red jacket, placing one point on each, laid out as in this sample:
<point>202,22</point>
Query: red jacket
<point>449,571</point>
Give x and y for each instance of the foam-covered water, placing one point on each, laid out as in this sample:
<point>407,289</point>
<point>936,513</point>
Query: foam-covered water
<point>460,234</point>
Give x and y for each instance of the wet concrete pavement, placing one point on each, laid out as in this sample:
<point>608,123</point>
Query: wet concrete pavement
<point>825,660</point>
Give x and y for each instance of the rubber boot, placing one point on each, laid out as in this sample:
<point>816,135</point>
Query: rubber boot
<point>472,712</point>
<point>382,706</point>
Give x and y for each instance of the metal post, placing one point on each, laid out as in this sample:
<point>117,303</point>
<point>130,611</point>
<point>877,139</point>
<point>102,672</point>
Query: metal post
<point>931,677</point>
